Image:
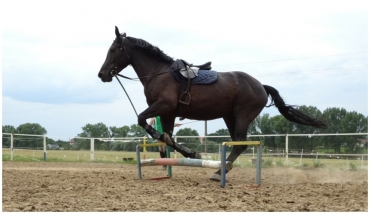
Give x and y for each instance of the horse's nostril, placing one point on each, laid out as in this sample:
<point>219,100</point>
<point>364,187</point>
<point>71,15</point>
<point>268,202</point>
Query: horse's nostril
<point>100,75</point>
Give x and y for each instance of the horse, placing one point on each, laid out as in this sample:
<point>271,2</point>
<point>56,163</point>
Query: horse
<point>236,96</point>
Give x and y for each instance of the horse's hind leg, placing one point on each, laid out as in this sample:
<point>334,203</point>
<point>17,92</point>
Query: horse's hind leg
<point>238,132</point>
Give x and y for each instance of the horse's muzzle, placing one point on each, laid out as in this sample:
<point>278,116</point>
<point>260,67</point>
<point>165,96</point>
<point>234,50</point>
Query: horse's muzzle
<point>105,78</point>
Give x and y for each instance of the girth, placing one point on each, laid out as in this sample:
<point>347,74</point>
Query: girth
<point>189,71</point>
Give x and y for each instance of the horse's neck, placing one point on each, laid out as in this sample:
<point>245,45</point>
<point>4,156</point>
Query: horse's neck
<point>147,67</point>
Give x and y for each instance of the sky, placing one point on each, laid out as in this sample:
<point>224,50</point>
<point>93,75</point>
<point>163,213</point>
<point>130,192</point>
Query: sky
<point>315,53</point>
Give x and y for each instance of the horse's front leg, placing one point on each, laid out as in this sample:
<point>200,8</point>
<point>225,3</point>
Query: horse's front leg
<point>151,111</point>
<point>159,109</point>
<point>168,124</point>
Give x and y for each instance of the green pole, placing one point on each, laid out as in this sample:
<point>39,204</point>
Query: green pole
<point>168,154</point>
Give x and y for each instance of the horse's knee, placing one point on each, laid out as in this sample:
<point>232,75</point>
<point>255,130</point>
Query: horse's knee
<point>141,121</point>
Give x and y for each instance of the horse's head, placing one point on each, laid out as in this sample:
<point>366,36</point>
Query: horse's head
<point>117,58</point>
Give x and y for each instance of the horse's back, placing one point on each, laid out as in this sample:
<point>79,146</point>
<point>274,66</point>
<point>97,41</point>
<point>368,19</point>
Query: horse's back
<point>243,83</point>
<point>232,92</point>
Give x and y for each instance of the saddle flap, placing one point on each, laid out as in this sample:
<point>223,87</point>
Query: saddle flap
<point>189,72</point>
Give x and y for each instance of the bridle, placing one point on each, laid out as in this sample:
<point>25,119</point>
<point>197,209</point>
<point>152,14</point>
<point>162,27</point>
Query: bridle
<point>114,71</point>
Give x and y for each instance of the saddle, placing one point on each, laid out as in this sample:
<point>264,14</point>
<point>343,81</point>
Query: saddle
<point>188,72</point>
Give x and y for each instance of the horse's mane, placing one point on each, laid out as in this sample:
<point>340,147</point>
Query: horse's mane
<point>146,46</point>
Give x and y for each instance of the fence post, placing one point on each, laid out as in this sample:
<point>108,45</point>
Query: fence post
<point>286,149</point>
<point>11,146</point>
<point>144,148</point>
<point>44,147</point>
<point>138,162</point>
<point>174,149</point>
<point>91,149</point>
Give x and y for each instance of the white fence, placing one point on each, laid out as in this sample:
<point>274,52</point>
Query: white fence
<point>284,153</point>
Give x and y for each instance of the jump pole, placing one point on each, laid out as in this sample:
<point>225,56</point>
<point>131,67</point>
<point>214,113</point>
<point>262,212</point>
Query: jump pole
<point>175,161</point>
<point>182,162</point>
<point>224,168</point>
<point>169,168</point>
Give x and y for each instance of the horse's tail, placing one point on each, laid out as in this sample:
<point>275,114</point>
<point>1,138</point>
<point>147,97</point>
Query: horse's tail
<point>291,113</point>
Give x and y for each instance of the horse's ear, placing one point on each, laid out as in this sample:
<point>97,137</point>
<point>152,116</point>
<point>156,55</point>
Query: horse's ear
<point>117,32</point>
<point>124,34</point>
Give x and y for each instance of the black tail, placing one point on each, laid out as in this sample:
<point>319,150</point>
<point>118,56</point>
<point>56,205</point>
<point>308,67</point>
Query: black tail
<point>291,113</point>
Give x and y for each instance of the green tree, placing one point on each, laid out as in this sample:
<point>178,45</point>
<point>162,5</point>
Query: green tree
<point>9,129</point>
<point>6,138</point>
<point>334,116</point>
<point>136,131</point>
<point>27,141</point>
<point>99,130</point>
<point>254,127</point>
<point>354,122</point>
<point>220,132</point>
<point>31,128</point>
<point>306,143</point>
<point>266,127</point>
<point>118,132</point>
<point>191,143</point>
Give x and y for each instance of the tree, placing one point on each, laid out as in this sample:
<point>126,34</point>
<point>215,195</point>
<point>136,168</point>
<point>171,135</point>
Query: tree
<point>6,138</point>
<point>307,143</point>
<point>9,129</point>
<point>254,126</point>
<point>266,127</point>
<point>136,131</point>
<point>354,122</point>
<point>99,130</point>
<point>191,143</point>
<point>27,141</point>
<point>220,132</point>
<point>334,116</point>
<point>31,128</point>
<point>119,131</point>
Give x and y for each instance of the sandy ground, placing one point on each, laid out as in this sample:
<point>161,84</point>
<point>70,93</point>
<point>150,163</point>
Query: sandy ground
<point>115,187</point>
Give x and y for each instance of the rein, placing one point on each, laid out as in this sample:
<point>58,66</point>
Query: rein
<point>114,72</point>
<point>130,101</point>
<point>137,78</point>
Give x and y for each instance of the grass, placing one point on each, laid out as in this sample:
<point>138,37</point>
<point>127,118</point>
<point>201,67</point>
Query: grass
<point>267,162</point>
<point>317,163</point>
<point>352,166</point>
<point>116,157</point>
<point>279,162</point>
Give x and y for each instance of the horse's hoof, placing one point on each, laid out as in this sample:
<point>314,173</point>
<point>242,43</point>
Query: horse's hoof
<point>195,155</point>
<point>215,177</point>
<point>198,155</point>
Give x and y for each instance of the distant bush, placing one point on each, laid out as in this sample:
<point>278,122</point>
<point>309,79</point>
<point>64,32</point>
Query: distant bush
<point>279,162</point>
<point>317,163</point>
<point>267,162</point>
<point>352,166</point>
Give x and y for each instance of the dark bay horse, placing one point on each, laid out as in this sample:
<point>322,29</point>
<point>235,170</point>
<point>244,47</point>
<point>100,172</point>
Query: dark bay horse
<point>236,97</point>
